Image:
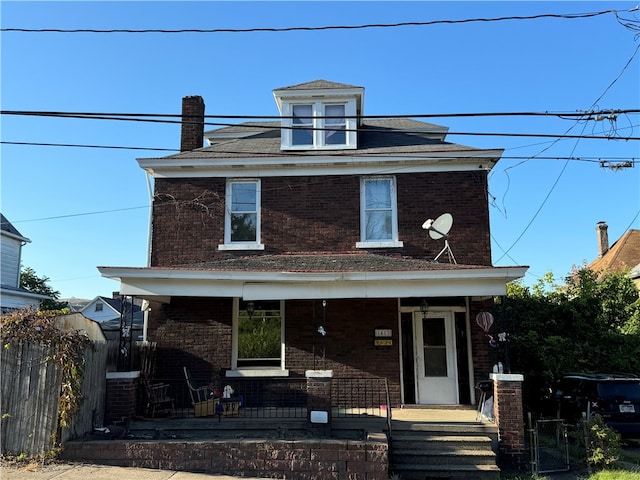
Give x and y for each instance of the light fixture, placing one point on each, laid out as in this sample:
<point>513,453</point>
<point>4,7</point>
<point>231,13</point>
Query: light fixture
<point>322,331</point>
<point>250,309</point>
<point>424,308</point>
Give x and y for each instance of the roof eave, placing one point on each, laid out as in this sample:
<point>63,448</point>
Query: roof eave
<point>158,283</point>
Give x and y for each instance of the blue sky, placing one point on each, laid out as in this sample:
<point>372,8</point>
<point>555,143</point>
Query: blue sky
<point>543,211</point>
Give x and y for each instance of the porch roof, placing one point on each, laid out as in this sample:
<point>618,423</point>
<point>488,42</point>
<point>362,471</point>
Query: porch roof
<point>314,276</point>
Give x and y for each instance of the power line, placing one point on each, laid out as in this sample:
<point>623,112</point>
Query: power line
<point>596,159</point>
<point>555,183</point>
<point>76,215</point>
<point>38,144</point>
<point>584,115</point>
<point>320,28</point>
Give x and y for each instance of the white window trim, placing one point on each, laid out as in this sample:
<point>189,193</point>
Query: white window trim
<point>255,371</point>
<point>318,123</point>
<point>228,244</point>
<point>393,242</point>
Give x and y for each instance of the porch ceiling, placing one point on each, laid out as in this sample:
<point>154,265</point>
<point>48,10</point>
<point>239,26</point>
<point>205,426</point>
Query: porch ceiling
<point>276,277</point>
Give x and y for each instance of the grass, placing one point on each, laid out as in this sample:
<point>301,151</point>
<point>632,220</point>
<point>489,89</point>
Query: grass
<point>615,475</point>
<point>602,475</point>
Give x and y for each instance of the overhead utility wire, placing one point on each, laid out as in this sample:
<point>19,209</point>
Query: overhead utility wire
<point>115,147</point>
<point>369,129</point>
<point>77,214</point>
<point>597,159</point>
<point>178,116</point>
<point>308,29</point>
<point>553,186</point>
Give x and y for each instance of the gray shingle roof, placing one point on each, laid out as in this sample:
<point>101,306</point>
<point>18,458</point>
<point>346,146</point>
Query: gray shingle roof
<point>381,136</point>
<point>325,262</point>
<point>317,84</point>
<point>6,226</point>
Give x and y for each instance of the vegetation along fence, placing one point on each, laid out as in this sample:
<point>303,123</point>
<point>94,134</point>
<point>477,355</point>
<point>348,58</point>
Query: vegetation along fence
<point>31,390</point>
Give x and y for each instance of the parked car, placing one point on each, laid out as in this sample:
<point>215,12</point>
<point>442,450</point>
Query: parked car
<point>615,397</point>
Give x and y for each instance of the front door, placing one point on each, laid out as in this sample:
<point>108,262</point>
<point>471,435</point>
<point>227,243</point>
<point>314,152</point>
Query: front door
<point>435,358</point>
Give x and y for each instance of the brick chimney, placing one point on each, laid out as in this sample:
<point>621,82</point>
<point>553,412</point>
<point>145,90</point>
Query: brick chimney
<point>192,135</point>
<point>603,238</point>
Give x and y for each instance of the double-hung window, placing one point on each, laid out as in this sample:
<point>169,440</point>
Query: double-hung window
<point>378,213</point>
<point>258,338</point>
<point>319,125</point>
<point>242,216</point>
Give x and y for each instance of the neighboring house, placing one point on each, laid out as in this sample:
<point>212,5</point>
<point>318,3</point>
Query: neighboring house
<point>624,253</point>
<point>108,313</point>
<point>13,297</point>
<point>308,233</point>
<point>75,304</point>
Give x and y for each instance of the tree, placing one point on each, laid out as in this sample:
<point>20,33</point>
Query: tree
<point>588,324</point>
<point>30,281</point>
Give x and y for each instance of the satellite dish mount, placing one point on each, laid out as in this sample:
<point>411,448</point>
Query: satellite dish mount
<point>439,228</point>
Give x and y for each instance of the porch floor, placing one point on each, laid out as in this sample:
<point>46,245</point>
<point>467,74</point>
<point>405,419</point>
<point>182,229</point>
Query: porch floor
<point>352,426</point>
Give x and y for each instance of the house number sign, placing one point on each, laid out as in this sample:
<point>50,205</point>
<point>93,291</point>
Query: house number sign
<point>383,337</point>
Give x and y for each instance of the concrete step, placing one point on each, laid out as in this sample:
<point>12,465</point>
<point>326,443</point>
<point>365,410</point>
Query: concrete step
<point>472,428</point>
<point>439,456</point>
<point>401,441</point>
<point>436,451</point>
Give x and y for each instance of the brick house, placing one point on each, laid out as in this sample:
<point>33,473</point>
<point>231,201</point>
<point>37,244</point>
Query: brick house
<point>307,234</point>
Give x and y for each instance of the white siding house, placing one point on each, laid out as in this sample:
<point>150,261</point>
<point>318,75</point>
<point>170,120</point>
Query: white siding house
<point>11,295</point>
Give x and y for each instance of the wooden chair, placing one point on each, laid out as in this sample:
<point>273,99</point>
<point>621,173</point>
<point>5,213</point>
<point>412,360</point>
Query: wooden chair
<point>158,398</point>
<point>203,398</point>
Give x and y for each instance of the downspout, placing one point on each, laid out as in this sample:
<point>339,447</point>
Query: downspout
<point>472,381</point>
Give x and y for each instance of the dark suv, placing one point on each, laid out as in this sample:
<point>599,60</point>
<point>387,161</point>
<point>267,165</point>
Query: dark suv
<point>615,397</point>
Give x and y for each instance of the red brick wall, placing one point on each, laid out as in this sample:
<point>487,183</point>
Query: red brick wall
<point>349,344</point>
<point>297,460</point>
<point>121,399</point>
<point>509,415</point>
<point>320,214</point>
<point>193,332</point>
<point>196,332</point>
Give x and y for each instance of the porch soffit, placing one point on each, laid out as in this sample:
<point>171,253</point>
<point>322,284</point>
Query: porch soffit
<point>314,276</point>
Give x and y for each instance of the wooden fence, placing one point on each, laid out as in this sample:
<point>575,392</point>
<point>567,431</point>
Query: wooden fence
<point>30,393</point>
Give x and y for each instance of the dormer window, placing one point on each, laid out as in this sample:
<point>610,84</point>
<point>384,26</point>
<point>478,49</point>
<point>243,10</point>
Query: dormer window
<point>319,125</point>
<point>319,115</point>
<point>332,127</point>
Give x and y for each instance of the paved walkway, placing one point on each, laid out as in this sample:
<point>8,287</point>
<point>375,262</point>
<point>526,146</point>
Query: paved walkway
<point>65,471</point>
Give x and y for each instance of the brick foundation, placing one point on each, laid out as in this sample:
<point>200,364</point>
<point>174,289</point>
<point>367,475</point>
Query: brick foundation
<point>291,459</point>
<point>509,416</point>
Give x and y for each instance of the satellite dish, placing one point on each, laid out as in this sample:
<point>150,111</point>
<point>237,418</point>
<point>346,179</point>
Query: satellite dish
<point>439,228</point>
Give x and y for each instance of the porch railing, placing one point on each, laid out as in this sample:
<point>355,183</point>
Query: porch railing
<point>286,397</point>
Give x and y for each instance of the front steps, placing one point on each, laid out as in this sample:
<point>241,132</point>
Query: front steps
<point>443,451</point>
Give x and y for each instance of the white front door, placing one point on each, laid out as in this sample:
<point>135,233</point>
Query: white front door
<point>435,357</point>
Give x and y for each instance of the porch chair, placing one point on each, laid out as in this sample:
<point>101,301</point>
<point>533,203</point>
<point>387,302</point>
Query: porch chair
<point>158,398</point>
<point>203,398</point>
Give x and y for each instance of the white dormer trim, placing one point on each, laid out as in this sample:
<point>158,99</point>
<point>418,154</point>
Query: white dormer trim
<point>318,99</point>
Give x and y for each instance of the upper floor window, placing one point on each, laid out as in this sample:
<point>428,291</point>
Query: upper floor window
<point>319,125</point>
<point>378,213</point>
<point>242,215</point>
<point>99,307</point>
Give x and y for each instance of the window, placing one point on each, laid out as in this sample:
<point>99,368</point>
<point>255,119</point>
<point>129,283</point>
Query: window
<point>319,125</point>
<point>258,339</point>
<point>242,217</point>
<point>302,132</point>
<point>99,307</point>
<point>378,213</point>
